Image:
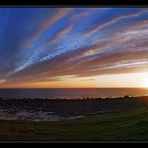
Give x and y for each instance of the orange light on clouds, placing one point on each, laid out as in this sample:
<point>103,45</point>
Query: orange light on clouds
<point>115,80</point>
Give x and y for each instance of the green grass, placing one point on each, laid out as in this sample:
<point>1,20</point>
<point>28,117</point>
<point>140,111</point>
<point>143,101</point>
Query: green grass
<point>132,125</point>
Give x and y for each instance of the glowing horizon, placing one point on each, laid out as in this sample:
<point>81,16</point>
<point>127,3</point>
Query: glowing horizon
<point>106,81</point>
<point>74,47</point>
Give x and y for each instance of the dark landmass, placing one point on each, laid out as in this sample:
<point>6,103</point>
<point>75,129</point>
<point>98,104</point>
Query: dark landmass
<point>108,119</point>
<point>77,107</point>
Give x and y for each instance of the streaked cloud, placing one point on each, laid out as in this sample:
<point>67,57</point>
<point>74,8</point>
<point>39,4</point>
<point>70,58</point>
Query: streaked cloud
<point>53,44</point>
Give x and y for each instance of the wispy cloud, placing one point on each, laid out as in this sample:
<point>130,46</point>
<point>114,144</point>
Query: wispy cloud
<point>81,42</point>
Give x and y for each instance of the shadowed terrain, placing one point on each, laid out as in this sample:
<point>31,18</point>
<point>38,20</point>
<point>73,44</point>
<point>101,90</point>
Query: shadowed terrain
<point>125,123</point>
<point>71,107</point>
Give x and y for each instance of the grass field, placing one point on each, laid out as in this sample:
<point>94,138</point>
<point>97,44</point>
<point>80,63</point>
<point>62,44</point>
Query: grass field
<point>131,125</point>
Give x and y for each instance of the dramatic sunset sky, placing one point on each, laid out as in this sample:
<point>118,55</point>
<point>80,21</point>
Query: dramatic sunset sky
<point>73,47</point>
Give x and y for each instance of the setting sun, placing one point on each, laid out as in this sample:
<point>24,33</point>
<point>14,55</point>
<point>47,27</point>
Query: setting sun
<point>145,83</point>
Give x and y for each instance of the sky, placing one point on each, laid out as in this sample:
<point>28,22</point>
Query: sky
<point>73,47</point>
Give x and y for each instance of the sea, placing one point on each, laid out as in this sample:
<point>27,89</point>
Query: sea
<point>71,93</point>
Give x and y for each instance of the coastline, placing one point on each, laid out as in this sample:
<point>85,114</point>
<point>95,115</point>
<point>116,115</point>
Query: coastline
<point>66,109</point>
<point>128,120</point>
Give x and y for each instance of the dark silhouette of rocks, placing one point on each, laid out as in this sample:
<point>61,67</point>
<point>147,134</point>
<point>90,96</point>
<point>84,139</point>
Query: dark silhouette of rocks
<point>74,107</point>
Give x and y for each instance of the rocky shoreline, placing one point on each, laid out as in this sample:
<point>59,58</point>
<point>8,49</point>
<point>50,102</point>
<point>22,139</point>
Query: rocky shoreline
<point>65,109</point>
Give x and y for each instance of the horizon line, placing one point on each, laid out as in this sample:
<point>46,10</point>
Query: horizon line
<point>76,88</point>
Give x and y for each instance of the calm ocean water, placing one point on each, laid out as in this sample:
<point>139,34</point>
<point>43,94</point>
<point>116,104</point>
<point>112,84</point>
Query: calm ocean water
<point>71,93</point>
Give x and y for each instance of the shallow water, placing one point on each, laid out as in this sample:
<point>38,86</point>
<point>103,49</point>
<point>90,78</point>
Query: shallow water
<point>10,114</point>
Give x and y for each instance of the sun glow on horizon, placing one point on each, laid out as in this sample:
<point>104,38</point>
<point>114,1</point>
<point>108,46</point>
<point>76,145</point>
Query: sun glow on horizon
<point>129,80</point>
<point>143,79</point>
<point>145,83</point>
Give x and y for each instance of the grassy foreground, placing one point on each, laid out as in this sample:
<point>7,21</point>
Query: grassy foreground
<point>132,125</point>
